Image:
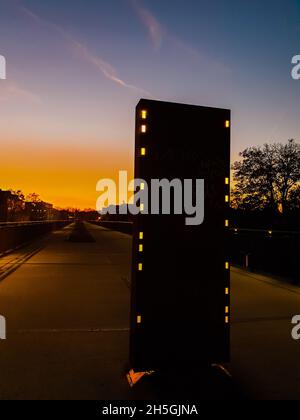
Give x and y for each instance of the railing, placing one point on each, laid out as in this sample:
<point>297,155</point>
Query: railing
<point>270,251</point>
<point>274,252</point>
<point>124,227</point>
<point>16,234</point>
<point>24,223</point>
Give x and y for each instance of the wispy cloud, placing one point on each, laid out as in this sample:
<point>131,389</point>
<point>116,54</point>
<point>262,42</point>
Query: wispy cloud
<point>153,26</point>
<point>10,90</point>
<point>107,70</point>
<point>158,33</point>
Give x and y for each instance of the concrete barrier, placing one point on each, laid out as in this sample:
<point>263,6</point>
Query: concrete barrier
<point>273,252</point>
<point>124,227</point>
<point>14,235</point>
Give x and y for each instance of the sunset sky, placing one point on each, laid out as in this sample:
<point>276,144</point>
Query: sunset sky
<point>77,68</point>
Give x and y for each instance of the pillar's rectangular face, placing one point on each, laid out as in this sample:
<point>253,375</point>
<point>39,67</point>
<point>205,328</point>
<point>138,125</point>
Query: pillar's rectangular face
<point>180,274</point>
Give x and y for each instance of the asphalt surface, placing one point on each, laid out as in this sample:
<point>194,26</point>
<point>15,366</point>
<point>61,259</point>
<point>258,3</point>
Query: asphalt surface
<point>67,311</point>
<point>265,358</point>
<point>66,305</point>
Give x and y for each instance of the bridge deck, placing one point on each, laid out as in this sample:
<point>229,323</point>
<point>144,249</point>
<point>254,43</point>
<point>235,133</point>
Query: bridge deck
<point>67,310</point>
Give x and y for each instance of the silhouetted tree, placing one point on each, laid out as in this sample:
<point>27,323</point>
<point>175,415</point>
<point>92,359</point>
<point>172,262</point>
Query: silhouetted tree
<point>294,199</point>
<point>267,177</point>
<point>33,198</point>
<point>16,205</point>
<point>19,194</point>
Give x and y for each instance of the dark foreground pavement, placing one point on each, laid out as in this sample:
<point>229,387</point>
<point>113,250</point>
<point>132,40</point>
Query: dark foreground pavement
<point>265,358</point>
<point>67,309</point>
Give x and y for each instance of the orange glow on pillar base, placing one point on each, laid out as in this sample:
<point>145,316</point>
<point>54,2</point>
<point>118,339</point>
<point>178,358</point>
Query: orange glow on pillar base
<point>133,377</point>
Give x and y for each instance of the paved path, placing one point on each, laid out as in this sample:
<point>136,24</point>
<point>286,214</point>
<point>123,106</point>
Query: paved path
<point>265,358</point>
<point>67,310</point>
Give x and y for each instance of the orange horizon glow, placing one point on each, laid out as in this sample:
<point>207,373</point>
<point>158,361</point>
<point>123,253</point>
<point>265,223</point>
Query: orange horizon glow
<point>65,177</point>
<point>75,75</point>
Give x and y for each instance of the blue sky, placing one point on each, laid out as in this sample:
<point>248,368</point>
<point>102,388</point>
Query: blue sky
<point>76,70</point>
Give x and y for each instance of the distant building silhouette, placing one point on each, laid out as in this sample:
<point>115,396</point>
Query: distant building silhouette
<point>11,207</point>
<point>39,210</point>
<point>116,213</point>
<point>4,205</point>
<point>14,208</point>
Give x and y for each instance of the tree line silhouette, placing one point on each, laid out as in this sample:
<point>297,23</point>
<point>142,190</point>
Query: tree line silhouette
<point>266,186</point>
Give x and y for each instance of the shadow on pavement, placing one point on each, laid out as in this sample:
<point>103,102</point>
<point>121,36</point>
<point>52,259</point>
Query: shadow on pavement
<point>80,234</point>
<point>209,383</point>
